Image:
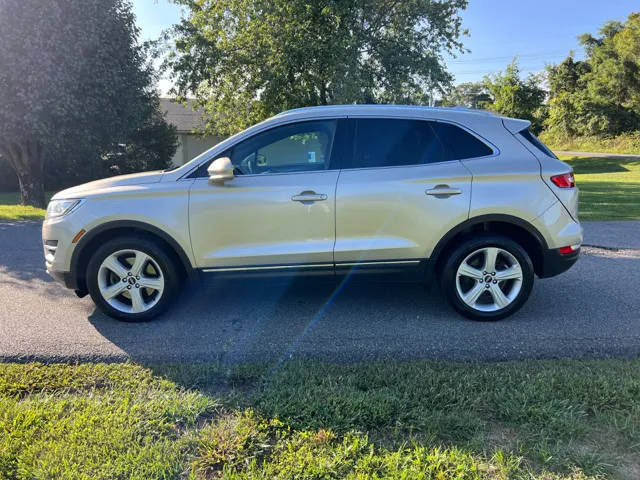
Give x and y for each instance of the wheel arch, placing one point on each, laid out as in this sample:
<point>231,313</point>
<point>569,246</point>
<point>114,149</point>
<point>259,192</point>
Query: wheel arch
<point>82,252</point>
<point>528,236</point>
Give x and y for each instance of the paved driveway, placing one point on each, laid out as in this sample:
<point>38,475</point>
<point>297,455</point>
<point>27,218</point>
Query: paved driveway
<point>591,311</point>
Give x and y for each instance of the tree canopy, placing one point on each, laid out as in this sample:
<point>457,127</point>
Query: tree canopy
<point>470,94</point>
<point>75,87</point>
<point>601,94</point>
<point>516,97</point>
<point>245,60</point>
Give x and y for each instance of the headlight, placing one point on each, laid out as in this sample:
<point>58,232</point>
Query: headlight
<point>58,208</point>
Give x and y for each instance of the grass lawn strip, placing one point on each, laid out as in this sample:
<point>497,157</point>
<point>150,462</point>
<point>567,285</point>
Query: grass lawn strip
<point>609,187</point>
<point>526,420</point>
<point>10,208</point>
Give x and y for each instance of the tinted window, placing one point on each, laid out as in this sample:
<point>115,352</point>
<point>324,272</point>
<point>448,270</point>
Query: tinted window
<point>298,147</point>
<point>389,142</point>
<point>458,143</point>
<point>533,140</point>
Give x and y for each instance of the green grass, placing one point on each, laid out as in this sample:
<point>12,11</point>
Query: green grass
<point>526,420</point>
<point>609,187</point>
<point>10,208</point>
<point>628,143</point>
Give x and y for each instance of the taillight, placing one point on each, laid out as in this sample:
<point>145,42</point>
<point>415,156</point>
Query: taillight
<point>566,180</point>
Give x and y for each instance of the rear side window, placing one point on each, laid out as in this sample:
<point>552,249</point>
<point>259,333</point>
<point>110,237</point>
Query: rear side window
<point>533,140</point>
<point>390,142</point>
<point>397,142</point>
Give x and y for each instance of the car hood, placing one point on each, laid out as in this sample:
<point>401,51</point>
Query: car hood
<point>100,185</point>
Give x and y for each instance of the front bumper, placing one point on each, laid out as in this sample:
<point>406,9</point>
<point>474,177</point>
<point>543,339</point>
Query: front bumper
<point>554,263</point>
<point>65,278</point>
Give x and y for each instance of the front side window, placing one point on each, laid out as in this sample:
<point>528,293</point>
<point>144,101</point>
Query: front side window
<point>300,147</point>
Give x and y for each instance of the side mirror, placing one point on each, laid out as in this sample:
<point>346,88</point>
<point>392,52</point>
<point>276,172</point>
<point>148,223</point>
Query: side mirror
<point>220,170</point>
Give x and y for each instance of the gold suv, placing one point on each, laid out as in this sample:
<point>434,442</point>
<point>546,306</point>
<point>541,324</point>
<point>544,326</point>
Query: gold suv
<point>469,198</point>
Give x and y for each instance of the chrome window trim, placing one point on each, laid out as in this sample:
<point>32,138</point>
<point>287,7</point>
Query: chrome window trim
<point>252,175</point>
<point>496,150</point>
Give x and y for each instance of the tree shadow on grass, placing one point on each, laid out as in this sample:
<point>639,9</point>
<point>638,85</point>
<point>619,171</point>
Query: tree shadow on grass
<point>609,200</point>
<point>589,165</point>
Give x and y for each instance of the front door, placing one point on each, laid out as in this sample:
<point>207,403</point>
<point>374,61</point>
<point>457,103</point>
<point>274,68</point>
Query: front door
<point>278,212</point>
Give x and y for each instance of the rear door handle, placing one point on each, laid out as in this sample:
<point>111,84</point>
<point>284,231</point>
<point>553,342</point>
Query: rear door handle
<point>305,197</point>
<point>443,191</point>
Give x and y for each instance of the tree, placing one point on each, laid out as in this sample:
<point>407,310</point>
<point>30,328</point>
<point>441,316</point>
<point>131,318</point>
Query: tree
<point>245,60</point>
<point>600,95</point>
<point>470,95</point>
<point>568,104</point>
<point>515,97</point>
<point>74,85</point>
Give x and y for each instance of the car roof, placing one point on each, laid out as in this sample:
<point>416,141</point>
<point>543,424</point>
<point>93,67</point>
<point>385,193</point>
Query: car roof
<point>452,112</point>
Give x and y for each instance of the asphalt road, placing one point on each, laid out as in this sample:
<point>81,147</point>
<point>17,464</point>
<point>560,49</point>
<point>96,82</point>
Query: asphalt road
<point>593,310</point>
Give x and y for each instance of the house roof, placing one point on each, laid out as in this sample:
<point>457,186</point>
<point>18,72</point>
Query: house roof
<point>183,117</point>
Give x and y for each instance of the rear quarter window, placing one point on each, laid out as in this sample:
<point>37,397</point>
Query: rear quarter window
<point>459,144</point>
<point>532,140</point>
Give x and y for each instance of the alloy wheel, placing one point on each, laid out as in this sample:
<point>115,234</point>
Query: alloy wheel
<point>489,279</point>
<point>130,281</point>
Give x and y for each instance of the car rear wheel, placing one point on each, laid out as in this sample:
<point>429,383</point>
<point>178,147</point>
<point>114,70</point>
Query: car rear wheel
<point>488,277</point>
<point>132,279</point>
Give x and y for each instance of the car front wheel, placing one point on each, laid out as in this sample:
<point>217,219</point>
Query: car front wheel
<point>488,278</point>
<point>132,279</point>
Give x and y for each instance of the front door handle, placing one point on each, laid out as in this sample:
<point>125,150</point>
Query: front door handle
<point>309,196</point>
<point>443,191</point>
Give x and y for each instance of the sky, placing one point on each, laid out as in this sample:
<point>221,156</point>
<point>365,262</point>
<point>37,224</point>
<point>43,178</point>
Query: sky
<point>539,32</point>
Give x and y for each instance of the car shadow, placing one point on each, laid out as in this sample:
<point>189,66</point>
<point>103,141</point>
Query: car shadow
<point>234,321</point>
<point>21,254</point>
<point>580,314</point>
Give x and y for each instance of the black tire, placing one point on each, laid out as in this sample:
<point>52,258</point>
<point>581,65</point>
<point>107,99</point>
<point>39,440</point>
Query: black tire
<point>165,261</point>
<point>459,254</point>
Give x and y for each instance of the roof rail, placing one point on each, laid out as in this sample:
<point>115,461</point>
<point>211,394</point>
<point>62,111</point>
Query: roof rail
<point>384,106</point>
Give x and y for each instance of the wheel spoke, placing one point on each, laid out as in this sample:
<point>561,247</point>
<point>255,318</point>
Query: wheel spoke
<point>499,297</point>
<point>152,283</point>
<point>471,297</point>
<point>490,256</point>
<point>139,263</point>
<point>512,273</point>
<point>468,271</point>
<point>137,303</point>
<point>114,290</point>
<point>113,264</point>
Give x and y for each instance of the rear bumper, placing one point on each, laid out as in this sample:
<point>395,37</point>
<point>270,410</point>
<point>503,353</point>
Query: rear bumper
<point>554,263</point>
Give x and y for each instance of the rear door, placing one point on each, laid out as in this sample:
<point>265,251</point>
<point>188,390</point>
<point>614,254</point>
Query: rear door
<point>400,191</point>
